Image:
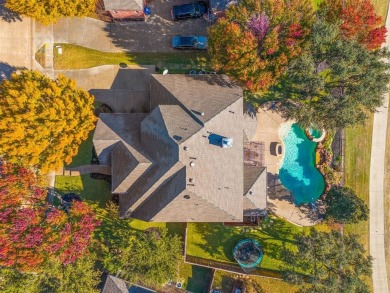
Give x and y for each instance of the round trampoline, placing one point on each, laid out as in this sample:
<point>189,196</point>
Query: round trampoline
<point>248,253</point>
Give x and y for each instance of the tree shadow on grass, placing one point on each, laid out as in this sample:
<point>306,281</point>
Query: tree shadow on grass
<point>200,280</point>
<point>218,241</point>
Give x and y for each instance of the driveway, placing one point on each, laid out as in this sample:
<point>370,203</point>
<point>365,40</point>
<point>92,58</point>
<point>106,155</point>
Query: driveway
<point>15,41</point>
<point>152,35</point>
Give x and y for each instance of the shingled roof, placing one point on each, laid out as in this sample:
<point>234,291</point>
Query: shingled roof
<point>114,285</point>
<point>123,4</point>
<point>169,165</point>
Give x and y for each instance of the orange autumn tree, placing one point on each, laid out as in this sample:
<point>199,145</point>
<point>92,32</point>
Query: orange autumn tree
<point>357,21</point>
<point>43,121</point>
<point>255,40</point>
<point>32,231</point>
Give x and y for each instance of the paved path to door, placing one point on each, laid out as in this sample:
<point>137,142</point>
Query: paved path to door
<point>377,212</point>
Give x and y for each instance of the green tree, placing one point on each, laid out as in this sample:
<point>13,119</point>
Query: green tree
<point>336,83</point>
<point>344,206</point>
<point>329,262</point>
<point>255,41</point>
<point>47,11</point>
<point>43,121</point>
<point>140,256</point>
<point>80,276</point>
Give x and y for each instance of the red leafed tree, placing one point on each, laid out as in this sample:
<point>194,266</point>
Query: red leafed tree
<point>255,40</point>
<point>31,231</point>
<point>358,20</point>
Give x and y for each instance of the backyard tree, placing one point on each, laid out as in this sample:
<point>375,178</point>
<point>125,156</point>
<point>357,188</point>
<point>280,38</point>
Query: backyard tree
<point>344,206</point>
<point>332,263</point>
<point>151,257</point>
<point>357,20</point>
<point>255,41</point>
<point>48,11</point>
<point>335,83</point>
<point>43,121</point>
<point>80,276</point>
<point>32,231</point>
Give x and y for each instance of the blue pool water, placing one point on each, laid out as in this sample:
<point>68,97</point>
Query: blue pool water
<point>298,173</point>
<point>315,133</point>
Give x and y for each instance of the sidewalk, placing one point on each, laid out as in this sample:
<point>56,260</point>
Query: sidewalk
<point>377,168</point>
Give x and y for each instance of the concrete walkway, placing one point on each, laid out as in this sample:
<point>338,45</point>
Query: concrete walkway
<point>377,168</point>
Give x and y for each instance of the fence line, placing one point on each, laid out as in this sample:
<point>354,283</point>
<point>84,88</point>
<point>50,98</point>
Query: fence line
<point>230,268</point>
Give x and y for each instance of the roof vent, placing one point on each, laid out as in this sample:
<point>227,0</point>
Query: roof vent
<point>192,164</point>
<point>191,180</point>
<point>201,113</point>
<point>185,148</point>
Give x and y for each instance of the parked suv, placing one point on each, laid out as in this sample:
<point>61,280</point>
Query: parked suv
<point>189,42</point>
<point>190,10</point>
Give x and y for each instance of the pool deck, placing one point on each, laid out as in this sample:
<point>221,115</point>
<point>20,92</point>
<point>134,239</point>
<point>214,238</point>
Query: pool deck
<point>279,200</point>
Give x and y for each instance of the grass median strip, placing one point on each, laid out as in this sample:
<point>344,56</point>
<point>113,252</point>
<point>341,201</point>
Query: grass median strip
<point>78,57</point>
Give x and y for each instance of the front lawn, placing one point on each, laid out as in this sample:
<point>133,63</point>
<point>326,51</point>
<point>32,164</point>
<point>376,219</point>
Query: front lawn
<point>92,190</point>
<point>78,57</point>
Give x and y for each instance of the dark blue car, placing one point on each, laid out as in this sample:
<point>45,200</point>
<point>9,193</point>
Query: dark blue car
<point>189,42</point>
<point>190,10</point>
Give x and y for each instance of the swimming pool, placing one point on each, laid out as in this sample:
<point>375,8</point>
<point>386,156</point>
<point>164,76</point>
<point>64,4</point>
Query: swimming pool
<point>298,173</point>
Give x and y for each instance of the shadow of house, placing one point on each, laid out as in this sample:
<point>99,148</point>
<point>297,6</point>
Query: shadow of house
<point>6,70</point>
<point>129,91</point>
<point>164,167</point>
<point>8,15</point>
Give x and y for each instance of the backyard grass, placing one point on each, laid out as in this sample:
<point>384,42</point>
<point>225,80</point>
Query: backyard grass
<point>78,57</point>
<point>224,281</point>
<point>215,241</point>
<point>194,278</point>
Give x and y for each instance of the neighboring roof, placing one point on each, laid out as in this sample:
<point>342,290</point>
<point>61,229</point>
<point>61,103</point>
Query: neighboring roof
<point>114,285</point>
<point>138,289</point>
<point>255,190</point>
<point>123,4</point>
<point>219,5</point>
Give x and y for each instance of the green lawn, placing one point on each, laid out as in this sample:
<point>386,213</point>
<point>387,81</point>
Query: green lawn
<point>93,190</point>
<point>357,173</point>
<point>357,170</point>
<point>215,241</point>
<point>224,281</point>
<point>195,279</point>
<point>77,57</point>
<point>84,155</point>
